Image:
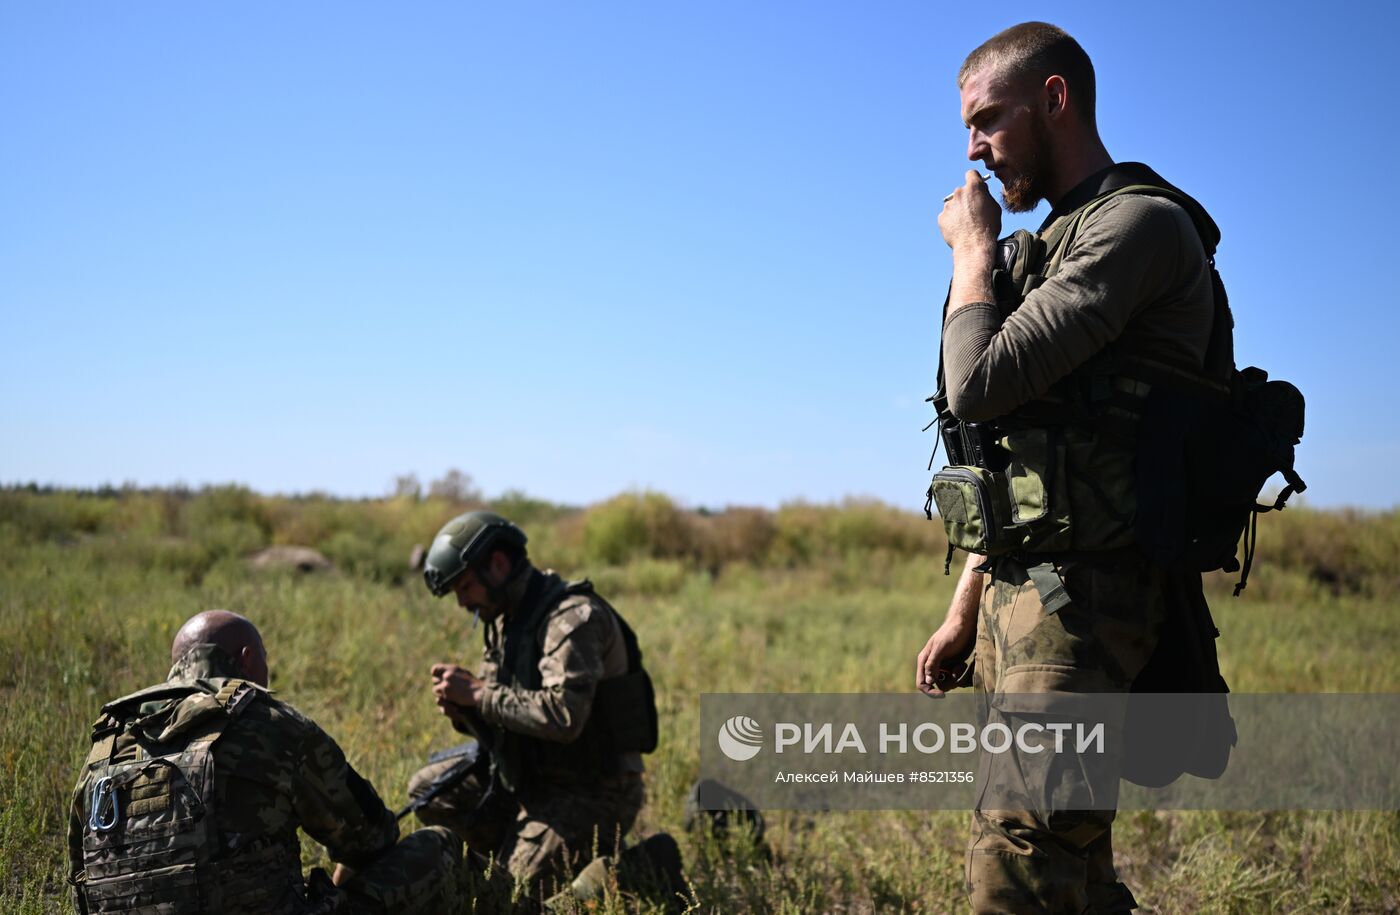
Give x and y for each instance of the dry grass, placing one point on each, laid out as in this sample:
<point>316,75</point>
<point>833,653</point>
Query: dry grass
<point>793,600</point>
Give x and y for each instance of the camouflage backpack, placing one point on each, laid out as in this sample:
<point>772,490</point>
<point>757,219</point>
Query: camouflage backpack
<point>146,799</point>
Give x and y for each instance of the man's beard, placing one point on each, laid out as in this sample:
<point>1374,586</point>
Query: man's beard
<point>1030,182</point>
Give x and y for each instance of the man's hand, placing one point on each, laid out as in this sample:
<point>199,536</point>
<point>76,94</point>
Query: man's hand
<point>454,712</point>
<point>971,219</point>
<point>953,639</point>
<point>455,686</point>
<point>947,644</point>
<point>342,875</point>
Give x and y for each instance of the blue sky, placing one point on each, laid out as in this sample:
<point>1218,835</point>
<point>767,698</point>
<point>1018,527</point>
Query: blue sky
<point>581,248</point>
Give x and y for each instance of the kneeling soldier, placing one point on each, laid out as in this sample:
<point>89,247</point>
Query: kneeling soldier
<point>561,704</point>
<point>193,792</point>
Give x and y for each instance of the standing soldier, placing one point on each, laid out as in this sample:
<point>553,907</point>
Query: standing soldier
<point>560,703</point>
<point>193,792</point>
<point>1050,343</point>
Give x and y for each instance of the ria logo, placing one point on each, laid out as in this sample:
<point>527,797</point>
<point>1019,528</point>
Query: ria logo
<point>740,738</point>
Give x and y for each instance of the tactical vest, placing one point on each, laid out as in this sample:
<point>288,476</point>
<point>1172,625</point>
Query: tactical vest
<point>623,715</point>
<point>1072,473</point>
<point>150,814</point>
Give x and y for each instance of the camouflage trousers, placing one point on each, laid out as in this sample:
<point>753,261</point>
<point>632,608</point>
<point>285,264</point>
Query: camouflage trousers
<point>1065,628</point>
<point>418,876</point>
<point>542,835</point>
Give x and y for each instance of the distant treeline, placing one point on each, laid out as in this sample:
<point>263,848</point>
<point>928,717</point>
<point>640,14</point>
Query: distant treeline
<point>1302,551</point>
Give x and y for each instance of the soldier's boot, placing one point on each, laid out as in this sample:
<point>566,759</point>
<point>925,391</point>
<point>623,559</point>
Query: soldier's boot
<point>652,869</point>
<point>590,883</point>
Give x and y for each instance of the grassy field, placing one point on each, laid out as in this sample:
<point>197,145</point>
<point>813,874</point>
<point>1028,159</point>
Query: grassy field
<point>808,598</point>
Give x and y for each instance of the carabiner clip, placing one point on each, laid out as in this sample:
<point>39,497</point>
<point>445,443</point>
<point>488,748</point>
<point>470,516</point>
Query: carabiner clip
<point>104,806</point>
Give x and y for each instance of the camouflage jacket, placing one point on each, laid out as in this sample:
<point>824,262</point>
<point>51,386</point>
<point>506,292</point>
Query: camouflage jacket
<point>274,771</point>
<point>578,642</point>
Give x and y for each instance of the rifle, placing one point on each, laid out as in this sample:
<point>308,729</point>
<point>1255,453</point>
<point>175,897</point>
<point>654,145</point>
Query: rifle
<point>471,756</point>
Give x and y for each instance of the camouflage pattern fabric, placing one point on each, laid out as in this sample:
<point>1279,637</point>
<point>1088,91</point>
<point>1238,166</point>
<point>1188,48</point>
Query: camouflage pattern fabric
<point>578,644</point>
<point>542,661</point>
<point>421,874</point>
<point>541,835</point>
<point>1046,855</point>
<point>270,771</point>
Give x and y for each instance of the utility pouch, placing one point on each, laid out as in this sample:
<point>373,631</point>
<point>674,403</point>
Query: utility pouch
<point>976,513</point>
<point>1039,490</point>
<point>1030,474</point>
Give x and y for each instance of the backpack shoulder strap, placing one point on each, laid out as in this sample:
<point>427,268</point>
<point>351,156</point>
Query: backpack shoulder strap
<point>236,695</point>
<point>629,638</point>
<point>1220,348</point>
<point>1062,233</point>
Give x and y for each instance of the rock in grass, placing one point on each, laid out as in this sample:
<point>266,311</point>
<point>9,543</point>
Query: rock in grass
<point>300,558</point>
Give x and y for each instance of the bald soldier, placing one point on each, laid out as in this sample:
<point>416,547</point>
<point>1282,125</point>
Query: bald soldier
<point>560,703</point>
<point>193,792</point>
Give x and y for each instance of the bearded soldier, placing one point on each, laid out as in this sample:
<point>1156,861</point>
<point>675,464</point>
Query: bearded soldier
<point>560,704</point>
<point>194,789</point>
<point>1051,343</point>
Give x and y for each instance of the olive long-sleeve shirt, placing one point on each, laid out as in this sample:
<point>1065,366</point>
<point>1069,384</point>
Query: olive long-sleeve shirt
<point>1136,273</point>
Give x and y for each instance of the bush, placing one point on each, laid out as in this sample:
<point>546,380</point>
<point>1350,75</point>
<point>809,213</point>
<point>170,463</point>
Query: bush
<point>635,526</point>
<point>217,504</point>
<point>739,535</point>
<point>365,553</point>
<point>1303,553</point>
<point>525,510</point>
<point>53,515</point>
<point>647,577</point>
<point>230,538</point>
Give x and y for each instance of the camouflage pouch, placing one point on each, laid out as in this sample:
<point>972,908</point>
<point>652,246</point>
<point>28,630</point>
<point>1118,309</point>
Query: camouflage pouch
<point>1030,474</point>
<point>1069,489</point>
<point>975,509</point>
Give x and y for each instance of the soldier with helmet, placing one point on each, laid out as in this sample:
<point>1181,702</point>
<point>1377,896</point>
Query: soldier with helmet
<point>560,703</point>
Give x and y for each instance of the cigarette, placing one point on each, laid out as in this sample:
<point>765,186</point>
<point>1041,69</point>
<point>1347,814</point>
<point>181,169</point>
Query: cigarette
<point>985,179</point>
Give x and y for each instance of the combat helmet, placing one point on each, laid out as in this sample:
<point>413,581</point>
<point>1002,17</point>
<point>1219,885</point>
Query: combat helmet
<point>461,542</point>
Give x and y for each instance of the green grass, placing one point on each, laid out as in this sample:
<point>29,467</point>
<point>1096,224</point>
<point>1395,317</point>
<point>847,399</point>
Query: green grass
<point>843,598</point>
